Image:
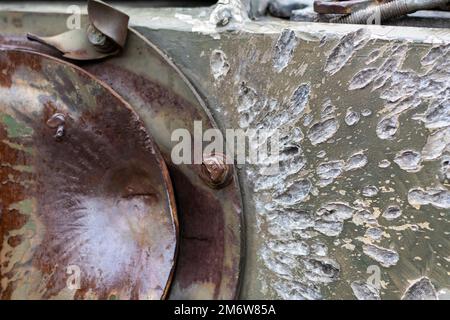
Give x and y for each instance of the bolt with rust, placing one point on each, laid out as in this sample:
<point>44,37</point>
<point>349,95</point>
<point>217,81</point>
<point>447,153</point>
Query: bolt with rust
<point>222,13</point>
<point>223,17</point>
<point>101,42</point>
<point>57,121</point>
<point>216,171</point>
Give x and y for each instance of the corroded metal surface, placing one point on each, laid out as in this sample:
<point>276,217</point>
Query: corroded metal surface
<point>216,171</point>
<point>345,202</point>
<point>87,207</point>
<point>362,187</point>
<point>210,252</point>
<point>209,261</point>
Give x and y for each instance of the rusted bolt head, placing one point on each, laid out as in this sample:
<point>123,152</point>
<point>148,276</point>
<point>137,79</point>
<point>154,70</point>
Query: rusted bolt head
<point>223,17</point>
<point>99,40</point>
<point>96,37</point>
<point>216,171</point>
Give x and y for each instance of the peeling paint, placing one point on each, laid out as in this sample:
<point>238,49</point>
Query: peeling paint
<point>284,48</point>
<point>386,257</point>
<point>219,64</point>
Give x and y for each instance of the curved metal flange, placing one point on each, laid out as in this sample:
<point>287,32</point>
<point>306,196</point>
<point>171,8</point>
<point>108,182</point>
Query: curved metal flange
<point>211,220</point>
<point>87,206</point>
<point>209,261</point>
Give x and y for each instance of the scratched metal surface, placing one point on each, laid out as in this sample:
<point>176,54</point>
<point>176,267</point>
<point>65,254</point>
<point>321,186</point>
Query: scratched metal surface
<point>363,185</point>
<point>364,111</point>
<point>97,198</point>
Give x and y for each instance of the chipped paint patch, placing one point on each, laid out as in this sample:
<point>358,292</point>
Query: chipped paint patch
<point>420,289</point>
<point>344,50</point>
<point>14,128</point>
<point>219,64</point>
<point>386,257</point>
<point>284,49</point>
<point>323,130</point>
<point>365,291</point>
<point>439,198</point>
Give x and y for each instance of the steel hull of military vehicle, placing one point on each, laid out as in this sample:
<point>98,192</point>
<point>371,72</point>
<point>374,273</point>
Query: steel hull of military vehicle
<point>237,149</point>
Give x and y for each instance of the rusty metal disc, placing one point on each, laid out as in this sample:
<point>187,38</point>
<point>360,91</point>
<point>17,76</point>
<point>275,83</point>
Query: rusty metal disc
<point>211,253</point>
<point>211,244</point>
<point>87,207</point>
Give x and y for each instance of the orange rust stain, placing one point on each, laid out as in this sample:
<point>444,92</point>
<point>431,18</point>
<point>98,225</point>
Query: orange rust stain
<point>5,73</point>
<point>72,173</point>
<point>11,193</point>
<point>10,63</point>
<point>7,293</point>
<point>34,62</point>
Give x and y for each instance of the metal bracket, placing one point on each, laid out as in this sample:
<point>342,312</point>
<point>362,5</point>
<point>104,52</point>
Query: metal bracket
<point>104,36</point>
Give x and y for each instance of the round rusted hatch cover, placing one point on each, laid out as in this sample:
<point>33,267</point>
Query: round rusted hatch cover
<point>87,207</point>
